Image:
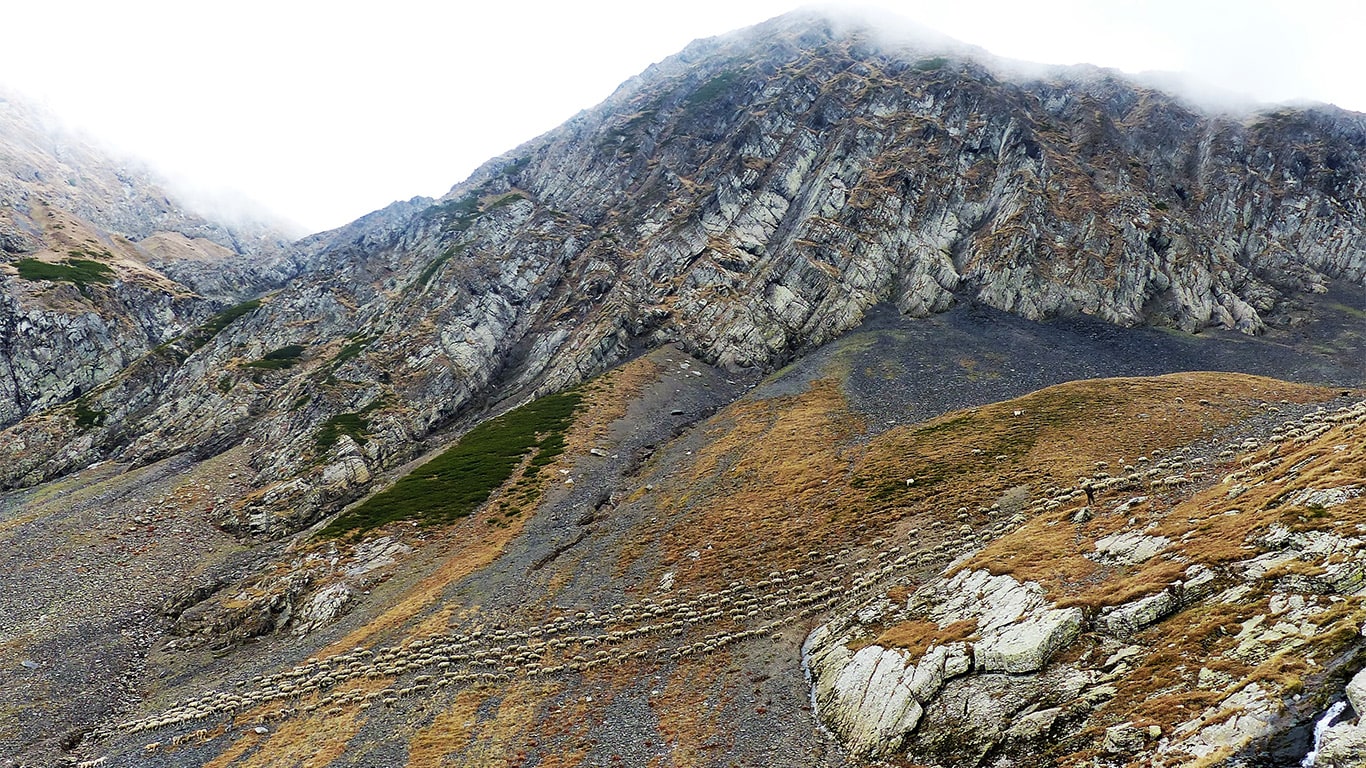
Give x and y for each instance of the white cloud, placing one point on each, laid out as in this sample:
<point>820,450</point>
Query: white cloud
<point>325,111</point>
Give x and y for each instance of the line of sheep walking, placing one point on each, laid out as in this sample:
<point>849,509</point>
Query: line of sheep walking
<point>643,631</point>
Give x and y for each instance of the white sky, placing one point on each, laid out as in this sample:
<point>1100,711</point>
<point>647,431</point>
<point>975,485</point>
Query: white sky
<point>324,111</point>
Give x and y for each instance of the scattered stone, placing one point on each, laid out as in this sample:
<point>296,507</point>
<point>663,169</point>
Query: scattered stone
<point>1124,739</point>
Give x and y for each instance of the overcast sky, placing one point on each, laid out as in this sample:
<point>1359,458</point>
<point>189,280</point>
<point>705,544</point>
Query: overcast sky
<point>324,111</point>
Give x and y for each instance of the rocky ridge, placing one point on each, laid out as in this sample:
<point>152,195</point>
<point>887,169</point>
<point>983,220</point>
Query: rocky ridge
<point>751,198</point>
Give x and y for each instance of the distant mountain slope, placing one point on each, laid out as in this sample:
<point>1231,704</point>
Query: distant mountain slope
<point>100,263</point>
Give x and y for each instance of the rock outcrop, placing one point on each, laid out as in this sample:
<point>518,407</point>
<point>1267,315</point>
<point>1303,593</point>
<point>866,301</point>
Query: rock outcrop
<point>873,698</point>
<point>960,673</point>
<point>1344,744</point>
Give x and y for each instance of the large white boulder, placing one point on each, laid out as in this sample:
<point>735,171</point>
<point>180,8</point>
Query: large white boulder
<point>1026,645</point>
<point>874,697</point>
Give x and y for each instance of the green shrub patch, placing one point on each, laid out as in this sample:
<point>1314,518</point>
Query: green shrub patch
<point>284,357</point>
<point>78,271</point>
<point>455,483</point>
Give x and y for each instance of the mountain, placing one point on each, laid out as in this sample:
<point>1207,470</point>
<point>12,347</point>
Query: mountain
<point>101,263</point>
<point>747,418</point>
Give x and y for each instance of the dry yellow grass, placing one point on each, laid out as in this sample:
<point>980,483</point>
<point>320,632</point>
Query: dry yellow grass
<point>505,737</point>
<point>918,635</point>
<point>303,741</point>
<point>448,733</point>
<point>459,551</point>
<point>761,490</point>
<point>786,475</point>
<point>687,725</point>
<point>1162,688</point>
<point>606,399</point>
<point>465,548</point>
<point>1064,441</point>
<point>1335,459</point>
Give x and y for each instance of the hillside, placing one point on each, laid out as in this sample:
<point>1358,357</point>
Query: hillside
<point>100,264</point>
<point>658,610</point>
<point>748,418</point>
<point>752,198</point>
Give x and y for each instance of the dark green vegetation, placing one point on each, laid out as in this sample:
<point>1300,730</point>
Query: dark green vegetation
<point>87,417</point>
<point>460,214</point>
<point>284,357</point>
<point>507,199</point>
<point>187,344</point>
<point>931,64</point>
<point>78,271</point>
<point>428,271</point>
<point>353,424</point>
<point>454,484</point>
<point>352,349</point>
<point>456,215</point>
<point>223,319</point>
<point>712,89</point>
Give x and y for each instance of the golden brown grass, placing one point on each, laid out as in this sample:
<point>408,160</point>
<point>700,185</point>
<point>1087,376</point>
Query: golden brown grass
<point>686,725</point>
<point>1225,537</point>
<point>497,740</point>
<point>1162,688</point>
<point>917,635</point>
<point>606,399</point>
<point>459,551</point>
<point>449,732</point>
<point>786,475</point>
<point>311,740</point>
<point>760,491</point>
<point>1050,549</point>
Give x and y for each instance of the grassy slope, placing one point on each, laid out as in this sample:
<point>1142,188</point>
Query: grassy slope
<point>783,476</point>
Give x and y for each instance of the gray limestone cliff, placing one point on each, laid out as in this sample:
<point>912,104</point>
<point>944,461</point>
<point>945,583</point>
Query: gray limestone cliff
<point>749,198</point>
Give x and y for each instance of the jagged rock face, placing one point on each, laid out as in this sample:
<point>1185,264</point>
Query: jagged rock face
<point>166,269</point>
<point>799,179</point>
<point>750,198</point>
<point>49,357</point>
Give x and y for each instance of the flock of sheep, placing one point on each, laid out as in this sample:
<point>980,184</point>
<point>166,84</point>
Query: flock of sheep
<point>646,630</point>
